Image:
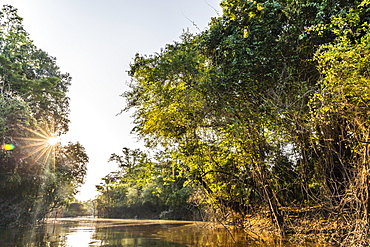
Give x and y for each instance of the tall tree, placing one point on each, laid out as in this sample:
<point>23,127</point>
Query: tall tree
<point>31,73</point>
<point>258,99</point>
<point>341,112</point>
<point>36,175</point>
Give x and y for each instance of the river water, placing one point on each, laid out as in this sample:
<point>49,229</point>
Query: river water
<point>85,232</point>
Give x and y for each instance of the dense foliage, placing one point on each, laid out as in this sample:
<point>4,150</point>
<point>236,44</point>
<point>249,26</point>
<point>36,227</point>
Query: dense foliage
<point>266,109</point>
<point>35,176</point>
<point>143,188</point>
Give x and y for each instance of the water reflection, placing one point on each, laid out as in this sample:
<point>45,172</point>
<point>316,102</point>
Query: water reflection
<point>81,232</point>
<point>81,236</point>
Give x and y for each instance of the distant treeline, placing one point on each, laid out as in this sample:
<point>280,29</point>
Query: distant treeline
<point>144,188</point>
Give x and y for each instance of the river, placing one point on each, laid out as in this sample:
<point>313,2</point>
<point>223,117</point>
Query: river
<point>86,232</point>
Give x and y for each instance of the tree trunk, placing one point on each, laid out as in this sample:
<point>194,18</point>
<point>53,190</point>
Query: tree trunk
<point>270,197</point>
<point>276,215</point>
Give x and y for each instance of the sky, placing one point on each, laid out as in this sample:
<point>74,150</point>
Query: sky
<point>95,41</point>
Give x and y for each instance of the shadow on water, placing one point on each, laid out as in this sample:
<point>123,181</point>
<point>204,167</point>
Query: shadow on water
<point>80,232</point>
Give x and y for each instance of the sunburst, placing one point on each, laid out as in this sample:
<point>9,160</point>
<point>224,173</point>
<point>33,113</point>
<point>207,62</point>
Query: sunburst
<point>42,146</point>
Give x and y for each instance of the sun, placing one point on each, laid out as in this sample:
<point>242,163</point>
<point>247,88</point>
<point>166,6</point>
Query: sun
<point>53,140</point>
<point>40,147</point>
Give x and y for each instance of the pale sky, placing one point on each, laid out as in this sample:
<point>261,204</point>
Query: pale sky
<point>95,41</point>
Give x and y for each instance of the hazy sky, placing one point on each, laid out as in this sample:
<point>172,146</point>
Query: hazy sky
<point>95,41</point>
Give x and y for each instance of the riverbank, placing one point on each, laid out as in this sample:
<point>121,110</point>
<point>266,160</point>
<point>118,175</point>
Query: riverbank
<point>317,224</point>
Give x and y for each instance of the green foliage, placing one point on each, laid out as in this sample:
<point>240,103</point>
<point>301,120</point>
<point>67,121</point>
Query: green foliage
<point>76,209</point>
<point>36,177</point>
<point>340,108</point>
<point>168,102</point>
<point>31,73</point>
<point>267,107</point>
<point>143,188</point>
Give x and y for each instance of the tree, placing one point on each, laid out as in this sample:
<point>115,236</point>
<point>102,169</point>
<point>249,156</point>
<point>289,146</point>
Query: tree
<point>36,176</point>
<point>232,103</point>
<point>340,114</point>
<point>144,188</point>
<point>31,73</point>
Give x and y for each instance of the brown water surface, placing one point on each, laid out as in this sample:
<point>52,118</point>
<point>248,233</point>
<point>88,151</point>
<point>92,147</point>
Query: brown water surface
<point>81,232</point>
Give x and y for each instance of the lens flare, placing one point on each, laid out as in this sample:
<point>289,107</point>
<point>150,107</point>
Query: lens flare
<point>7,147</point>
<point>41,147</point>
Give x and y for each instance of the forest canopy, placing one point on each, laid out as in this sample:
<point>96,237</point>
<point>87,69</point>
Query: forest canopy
<point>36,174</point>
<point>265,109</point>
